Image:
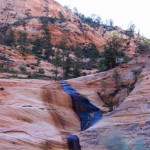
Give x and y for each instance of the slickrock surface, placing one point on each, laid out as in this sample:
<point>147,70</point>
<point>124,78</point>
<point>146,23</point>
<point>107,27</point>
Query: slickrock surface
<point>131,119</point>
<point>25,123</point>
<point>38,114</point>
<point>30,122</point>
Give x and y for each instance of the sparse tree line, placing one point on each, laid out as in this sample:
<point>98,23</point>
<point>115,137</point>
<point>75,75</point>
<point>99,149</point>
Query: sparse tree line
<point>96,21</point>
<point>93,20</point>
<point>71,61</point>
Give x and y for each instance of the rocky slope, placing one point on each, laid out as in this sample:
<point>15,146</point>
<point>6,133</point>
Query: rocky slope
<point>130,119</point>
<point>26,16</point>
<point>22,9</point>
<point>38,114</point>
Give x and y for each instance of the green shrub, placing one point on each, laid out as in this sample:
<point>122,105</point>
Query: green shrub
<point>41,71</point>
<point>1,65</point>
<point>136,72</point>
<point>23,69</point>
<point>33,75</point>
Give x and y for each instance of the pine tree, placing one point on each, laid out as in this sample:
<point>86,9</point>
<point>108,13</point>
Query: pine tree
<point>111,54</point>
<point>63,46</point>
<point>76,69</point>
<point>37,48</point>
<point>77,63</point>
<point>10,39</point>
<point>23,42</point>
<point>67,65</point>
<point>57,61</point>
<point>47,42</point>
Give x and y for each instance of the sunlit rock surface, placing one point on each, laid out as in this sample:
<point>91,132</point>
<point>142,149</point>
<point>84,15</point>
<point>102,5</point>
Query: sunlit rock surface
<point>39,115</point>
<point>28,121</point>
<point>24,121</point>
<point>24,16</point>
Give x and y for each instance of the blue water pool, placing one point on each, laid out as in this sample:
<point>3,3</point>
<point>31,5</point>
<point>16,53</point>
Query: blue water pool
<point>87,112</point>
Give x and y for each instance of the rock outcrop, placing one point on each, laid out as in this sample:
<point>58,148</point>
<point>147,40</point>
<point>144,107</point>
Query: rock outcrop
<point>38,114</point>
<point>26,16</point>
<point>41,114</point>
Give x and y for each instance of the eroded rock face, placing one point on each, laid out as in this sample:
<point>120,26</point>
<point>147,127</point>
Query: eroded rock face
<point>13,10</point>
<point>39,115</point>
<point>29,120</point>
<point>68,25</point>
<point>130,119</point>
<point>25,16</point>
<point>25,122</point>
<point>88,113</point>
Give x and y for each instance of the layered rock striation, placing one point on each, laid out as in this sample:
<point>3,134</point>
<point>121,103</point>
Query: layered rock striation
<point>27,16</point>
<point>39,114</point>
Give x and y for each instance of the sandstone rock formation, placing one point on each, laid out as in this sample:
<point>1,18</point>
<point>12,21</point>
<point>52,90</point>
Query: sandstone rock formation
<point>38,114</point>
<point>25,16</point>
<point>130,119</point>
<point>28,16</point>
